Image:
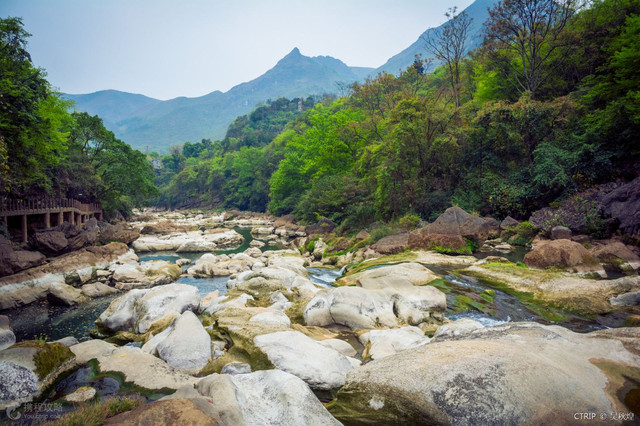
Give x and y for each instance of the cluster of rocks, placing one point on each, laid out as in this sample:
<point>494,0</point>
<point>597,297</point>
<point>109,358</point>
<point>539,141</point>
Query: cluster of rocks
<point>191,241</point>
<point>85,274</point>
<point>59,240</point>
<point>236,356</point>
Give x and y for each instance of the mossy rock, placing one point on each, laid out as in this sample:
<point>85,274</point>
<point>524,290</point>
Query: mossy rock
<point>356,406</point>
<point>123,337</point>
<point>233,326</point>
<point>48,357</point>
<point>406,256</point>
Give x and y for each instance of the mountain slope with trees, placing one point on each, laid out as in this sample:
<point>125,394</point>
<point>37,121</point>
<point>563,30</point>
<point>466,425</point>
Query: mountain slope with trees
<point>501,140</point>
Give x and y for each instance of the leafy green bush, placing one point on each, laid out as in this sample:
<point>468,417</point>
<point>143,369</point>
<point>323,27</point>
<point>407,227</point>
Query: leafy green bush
<point>409,221</point>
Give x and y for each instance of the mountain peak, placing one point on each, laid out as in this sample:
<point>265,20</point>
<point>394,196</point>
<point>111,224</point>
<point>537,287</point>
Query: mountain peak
<point>294,52</point>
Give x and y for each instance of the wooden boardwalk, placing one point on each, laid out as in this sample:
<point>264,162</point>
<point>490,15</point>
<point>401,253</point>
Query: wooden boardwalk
<point>45,213</point>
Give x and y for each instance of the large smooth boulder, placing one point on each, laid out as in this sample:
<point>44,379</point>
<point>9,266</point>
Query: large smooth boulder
<point>51,243</point>
<point>156,272</point>
<point>357,307</point>
<point>162,301</point>
<point>187,345</point>
<point>194,241</point>
<point>138,367</point>
<point>65,295</point>
<point>33,284</point>
<point>455,221</point>
<point>392,244</point>
<point>269,397</point>
<point>121,313</point>
<point>382,343</point>
<point>209,265</point>
<point>560,233</point>
<point>30,367</point>
<point>272,317</point>
<point>319,366</point>
<point>17,260</point>
<point>118,232</point>
<point>385,276</point>
<point>94,290</point>
<point>563,290</point>
<point>616,255</point>
<point>87,236</point>
<point>562,253</point>
<point>163,227</point>
<point>508,222</point>
<point>423,239</point>
<point>520,373</point>
<point>138,309</point>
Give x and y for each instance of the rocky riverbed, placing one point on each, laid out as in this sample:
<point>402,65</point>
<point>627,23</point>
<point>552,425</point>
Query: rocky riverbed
<point>250,319</point>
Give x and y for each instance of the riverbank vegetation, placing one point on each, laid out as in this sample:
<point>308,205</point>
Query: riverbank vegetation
<point>45,150</point>
<point>507,134</point>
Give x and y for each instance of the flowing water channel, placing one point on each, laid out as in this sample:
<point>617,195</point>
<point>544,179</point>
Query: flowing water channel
<point>466,298</point>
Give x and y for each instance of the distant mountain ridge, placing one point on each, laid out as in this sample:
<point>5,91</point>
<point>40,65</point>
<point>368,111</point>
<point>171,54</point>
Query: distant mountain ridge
<point>476,10</point>
<point>145,122</point>
<point>151,124</point>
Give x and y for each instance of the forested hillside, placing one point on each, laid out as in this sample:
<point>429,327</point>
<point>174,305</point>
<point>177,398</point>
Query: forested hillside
<point>47,151</point>
<point>522,122</point>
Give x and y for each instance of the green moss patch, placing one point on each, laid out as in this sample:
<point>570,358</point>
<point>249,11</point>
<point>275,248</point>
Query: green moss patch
<point>528,299</point>
<point>48,356</point>
<point>125,386</point>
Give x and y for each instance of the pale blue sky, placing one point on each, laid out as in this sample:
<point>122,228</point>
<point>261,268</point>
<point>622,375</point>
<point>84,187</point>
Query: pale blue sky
<point>169,48</point>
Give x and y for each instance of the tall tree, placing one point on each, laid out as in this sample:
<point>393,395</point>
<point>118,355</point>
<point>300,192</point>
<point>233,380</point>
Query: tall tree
<point>31,117</point>
<point>448,44</point>
<point>530,30</point>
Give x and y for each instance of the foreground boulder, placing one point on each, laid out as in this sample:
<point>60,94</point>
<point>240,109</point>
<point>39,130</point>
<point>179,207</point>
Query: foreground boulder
<point>358,308</point>
<point>391,303</point>
<point>184,345</point>
<point>321,367</point>
<point>138,367</point>
<point>493,376</point>
<point>382,343</point>
<point>28,368</point>
<point>270,397</point>
<point>138,309</point>
<point>565,254</point>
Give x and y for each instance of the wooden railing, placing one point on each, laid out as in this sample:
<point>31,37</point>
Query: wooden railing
<point>12,205</point>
